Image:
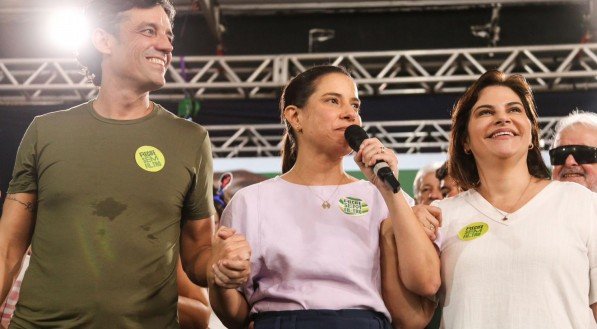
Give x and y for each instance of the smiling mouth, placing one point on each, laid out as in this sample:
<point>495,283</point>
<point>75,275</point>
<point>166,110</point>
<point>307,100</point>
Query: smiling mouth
<point>157,61</point>
<point>502,133</point>
<point>572,175</point>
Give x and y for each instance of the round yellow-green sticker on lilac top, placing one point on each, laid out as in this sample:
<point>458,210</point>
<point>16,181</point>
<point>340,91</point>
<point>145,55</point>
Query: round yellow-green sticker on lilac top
<point>473,231</point>
<point>353,206</point>
<point>149,158</point>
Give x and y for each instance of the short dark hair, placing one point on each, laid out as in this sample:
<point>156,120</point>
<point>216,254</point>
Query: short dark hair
<point>296,93</point>
<point>442,172</point>
<point>105,14</point>
<point>462,166</point>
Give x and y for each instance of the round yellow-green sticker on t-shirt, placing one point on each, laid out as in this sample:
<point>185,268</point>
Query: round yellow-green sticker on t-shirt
<point>473,231</point>
<point>149,158</point>
<point>353,206</point>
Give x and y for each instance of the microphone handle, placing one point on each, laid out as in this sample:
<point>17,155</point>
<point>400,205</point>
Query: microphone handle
<point>383,171</point>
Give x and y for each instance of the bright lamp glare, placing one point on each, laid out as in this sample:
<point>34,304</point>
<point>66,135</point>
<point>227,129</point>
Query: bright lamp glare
<point>67,28</point>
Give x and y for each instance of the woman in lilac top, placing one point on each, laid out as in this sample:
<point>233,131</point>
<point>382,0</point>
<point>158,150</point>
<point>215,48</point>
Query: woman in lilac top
<point>314,231</point>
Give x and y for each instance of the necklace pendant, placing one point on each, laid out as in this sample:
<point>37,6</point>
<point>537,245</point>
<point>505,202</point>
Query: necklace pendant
<point>505,218</point>
<point>325,205</point>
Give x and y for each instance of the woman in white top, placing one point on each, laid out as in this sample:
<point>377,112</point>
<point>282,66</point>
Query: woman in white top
<point>314,231</point>
<point>517,250</point>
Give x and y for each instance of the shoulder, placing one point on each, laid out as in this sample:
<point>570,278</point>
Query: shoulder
<point>252,192</point>
<point>179,123</point>
<point>570,193</point>
<point>61,115</point>
<point>364,189</point>
<point>569,187</point>
<point>365,185</point>
<point>60,123</point>
<point>455,201</point>
<point>238,209</point>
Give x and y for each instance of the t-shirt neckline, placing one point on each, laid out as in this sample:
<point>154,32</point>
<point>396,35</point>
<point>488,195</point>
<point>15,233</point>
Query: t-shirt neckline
<point>488,210</point>
<point>279,178</point>
<point>98,117</point>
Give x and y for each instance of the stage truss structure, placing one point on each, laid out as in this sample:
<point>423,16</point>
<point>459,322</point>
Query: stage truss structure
<point>416,136</point>
<point>38,81</point>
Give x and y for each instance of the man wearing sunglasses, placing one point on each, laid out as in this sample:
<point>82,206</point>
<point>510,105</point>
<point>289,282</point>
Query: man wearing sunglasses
<point>574,155</point>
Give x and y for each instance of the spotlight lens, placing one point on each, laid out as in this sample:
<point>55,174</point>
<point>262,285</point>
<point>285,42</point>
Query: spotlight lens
<point>67,28</point>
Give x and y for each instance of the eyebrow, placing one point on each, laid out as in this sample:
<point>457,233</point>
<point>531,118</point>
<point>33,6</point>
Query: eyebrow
<point>491,106</point>
<point>339,95</point>
<point>155,26</point>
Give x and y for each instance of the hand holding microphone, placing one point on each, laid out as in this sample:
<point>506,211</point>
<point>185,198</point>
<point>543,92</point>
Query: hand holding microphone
<point>373,155</point>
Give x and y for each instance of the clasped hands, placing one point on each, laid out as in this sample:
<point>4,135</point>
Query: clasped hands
<point>230,265</point>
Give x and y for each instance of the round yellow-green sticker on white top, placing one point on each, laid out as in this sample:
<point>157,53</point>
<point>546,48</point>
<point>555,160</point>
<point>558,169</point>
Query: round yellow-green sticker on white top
<point>149,158</point>
<point>473,231</point>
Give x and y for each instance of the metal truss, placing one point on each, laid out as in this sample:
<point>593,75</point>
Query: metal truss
<point>547,68</point>
<point>416,136</point>
<point>257,6</point>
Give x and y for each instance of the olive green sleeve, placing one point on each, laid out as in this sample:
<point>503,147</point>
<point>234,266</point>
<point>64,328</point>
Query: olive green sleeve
<point>199,199</point>
<point>24,175</point>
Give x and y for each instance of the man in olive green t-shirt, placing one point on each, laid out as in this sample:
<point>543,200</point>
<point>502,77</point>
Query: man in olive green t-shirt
<point>109,191</point>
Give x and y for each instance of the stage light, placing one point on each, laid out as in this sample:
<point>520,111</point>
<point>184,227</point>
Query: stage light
<point>66,28</point>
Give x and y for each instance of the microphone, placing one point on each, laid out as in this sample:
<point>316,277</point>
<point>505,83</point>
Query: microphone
<point>355,135</point>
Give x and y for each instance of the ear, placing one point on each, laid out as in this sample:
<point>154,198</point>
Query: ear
<point>225,180</point>
<point>292,116</point>
<point>466,145</point>
<point>102,40</point>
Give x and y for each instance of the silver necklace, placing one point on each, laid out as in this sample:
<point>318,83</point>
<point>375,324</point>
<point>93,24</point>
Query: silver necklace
<point>479,210</point>
<point>505,214</point>
<point>325,204</point>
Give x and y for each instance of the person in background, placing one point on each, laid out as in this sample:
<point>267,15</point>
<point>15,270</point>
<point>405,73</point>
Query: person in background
<point>229,184</point>
<point>447,184</point>
<point>574,153</point>
<point>8,307</point>
<point>426,187</point>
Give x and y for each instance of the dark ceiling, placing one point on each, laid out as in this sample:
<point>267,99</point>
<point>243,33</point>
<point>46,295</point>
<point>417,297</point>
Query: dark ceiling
<point>21,32</point>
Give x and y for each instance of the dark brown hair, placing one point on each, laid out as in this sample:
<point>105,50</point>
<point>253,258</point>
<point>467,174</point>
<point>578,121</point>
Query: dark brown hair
<point>105,14</point>
<point>442,172</point>
<point>462,166</point>
<point>297,92</point>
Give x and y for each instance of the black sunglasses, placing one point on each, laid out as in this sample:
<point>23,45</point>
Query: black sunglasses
<point>582,154</point>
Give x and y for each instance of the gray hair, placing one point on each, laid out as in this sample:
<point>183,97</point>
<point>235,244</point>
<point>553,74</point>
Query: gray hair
<point>576,117</point>
<point>430,168</point>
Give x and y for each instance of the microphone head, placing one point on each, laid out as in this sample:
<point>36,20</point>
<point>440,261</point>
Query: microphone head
<point>355,135</point>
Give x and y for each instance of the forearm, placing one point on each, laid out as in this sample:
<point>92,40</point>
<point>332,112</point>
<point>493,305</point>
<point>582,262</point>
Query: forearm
<point>192,313</point>
<point>10,263</point>
<point>417,258</point>
<point>7,278</point>
<point>407,309</point>
<point>197,266</point>
<point>230,306</point>
<point>195,244</point>
<point>16,229</point>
